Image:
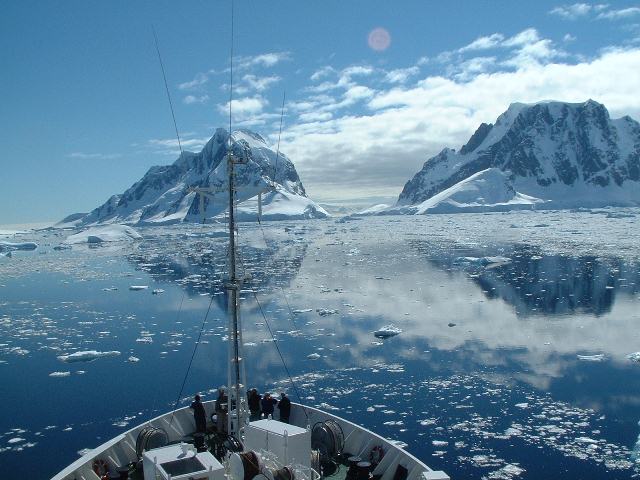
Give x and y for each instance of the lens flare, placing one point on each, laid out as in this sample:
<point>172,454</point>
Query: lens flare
<point>379,39</point>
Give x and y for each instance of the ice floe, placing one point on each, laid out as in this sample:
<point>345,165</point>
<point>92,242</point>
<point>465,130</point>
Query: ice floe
<point>634,357</point>
<point>105,233</point>
<point>387,331</point>
<point>86,356</point>
<point>9,246</point>
<point>592,358</point>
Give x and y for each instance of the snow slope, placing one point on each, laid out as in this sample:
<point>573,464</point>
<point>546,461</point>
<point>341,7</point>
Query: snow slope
<point>489,189</point>
<point>105,233</point>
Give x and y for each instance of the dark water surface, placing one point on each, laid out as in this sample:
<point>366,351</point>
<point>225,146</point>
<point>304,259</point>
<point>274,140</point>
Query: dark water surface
<point>512,362</point>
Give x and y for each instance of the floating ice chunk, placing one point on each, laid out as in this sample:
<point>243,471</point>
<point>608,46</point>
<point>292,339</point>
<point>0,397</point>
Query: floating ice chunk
<point>324,312</point>
<point>144,340</point>
<point>8,246</point>
<point>313,356</point>
<point>634,357</point>
<point>399,444</point>
<point>586,440</point>
<point>507,472</point>
<point>15,440</point>
<point>439,443</point>
<point>106,233</point>
<point>133,359</point>
<point>157,291</point>
<point>138,287</point>
<point>484,261</point>
<point>60,374</point>
<point>387,331</point>
<point>304,310</point>
<point>83,452</point>
<point>592,358</point>
<point>522,405</point>
<point>86,356</point>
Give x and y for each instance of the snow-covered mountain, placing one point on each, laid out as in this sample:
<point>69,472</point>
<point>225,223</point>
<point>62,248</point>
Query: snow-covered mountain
<point>162,196</point>
<point>549,155</point>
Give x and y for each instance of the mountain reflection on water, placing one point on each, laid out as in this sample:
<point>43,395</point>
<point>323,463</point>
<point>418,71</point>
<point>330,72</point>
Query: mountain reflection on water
<point>542,285</point>
<point>512,358</point>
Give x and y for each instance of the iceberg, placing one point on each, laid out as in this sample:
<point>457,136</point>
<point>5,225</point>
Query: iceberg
<point>86,356</point>
<point>387,331</point>
<point>105,233</point>
<point>592,358</point>
<point>9,246</point>
<point>634,357</point>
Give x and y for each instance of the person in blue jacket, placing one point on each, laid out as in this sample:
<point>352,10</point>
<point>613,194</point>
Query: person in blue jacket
<point>268,403</point>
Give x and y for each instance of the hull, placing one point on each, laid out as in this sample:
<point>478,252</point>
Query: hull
<point>121,450</point>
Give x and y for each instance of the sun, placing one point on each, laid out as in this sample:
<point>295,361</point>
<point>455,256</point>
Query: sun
<point>379,39</point>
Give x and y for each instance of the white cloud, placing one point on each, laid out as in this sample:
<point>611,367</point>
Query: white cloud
<point>574,11</point>
<point>191,99</point>
<point>315,117</point>
<point>401,75</point>
<point>376,153</point>
<point>525,37</point>
<point>94,156</point>
<point>322,72</point>
<point>483,43</point>
<point>263,60</point>
<point>472,67</point>
<point>169,146</point>
<point>245,106</point>
<point>619,14</point>
<point>199,80</point>
<point>259,84</point>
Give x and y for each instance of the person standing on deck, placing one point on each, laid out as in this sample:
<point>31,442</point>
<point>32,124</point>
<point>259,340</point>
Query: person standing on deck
<point>222,407</point>
<point>199,415</point>
<point>268,403</point>
<point>254,404</point>
<point>284,405</point>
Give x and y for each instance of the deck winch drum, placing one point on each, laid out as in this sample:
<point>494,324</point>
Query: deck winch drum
<point>151,437</point>
<point>328,438</point>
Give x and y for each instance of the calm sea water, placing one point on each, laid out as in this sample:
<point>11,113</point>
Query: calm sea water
<point>512,361</point>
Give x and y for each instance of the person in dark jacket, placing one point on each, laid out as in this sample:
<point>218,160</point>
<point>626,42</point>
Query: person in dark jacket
<point>267,404</point>
<point>254,399</point>
<point>199,415</point>
<point>222,409</point>
<point>284,405</point>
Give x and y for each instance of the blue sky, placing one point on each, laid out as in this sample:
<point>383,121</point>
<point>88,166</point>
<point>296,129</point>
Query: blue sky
<point>84,112</point>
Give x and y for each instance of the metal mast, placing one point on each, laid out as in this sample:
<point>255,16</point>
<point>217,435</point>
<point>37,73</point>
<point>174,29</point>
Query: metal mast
<point>238,408</point>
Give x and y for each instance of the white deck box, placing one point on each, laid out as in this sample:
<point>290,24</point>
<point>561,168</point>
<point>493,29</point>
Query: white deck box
<point>290,444</point>
<point>173,461</point>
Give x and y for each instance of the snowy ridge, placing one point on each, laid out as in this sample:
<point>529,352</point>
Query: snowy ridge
<point>163,195</point>
<point>548,154</point>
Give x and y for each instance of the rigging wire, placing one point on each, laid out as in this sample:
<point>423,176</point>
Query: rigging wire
<point>175,125</point>
<point>166,87</point>
<point>231,75</point>
<point>275,342</point>
<point>195,349</point>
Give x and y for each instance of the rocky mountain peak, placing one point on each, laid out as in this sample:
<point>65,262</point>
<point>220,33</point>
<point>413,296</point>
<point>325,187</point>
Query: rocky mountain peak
<point>164,194</point>
<point>550,148</point>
